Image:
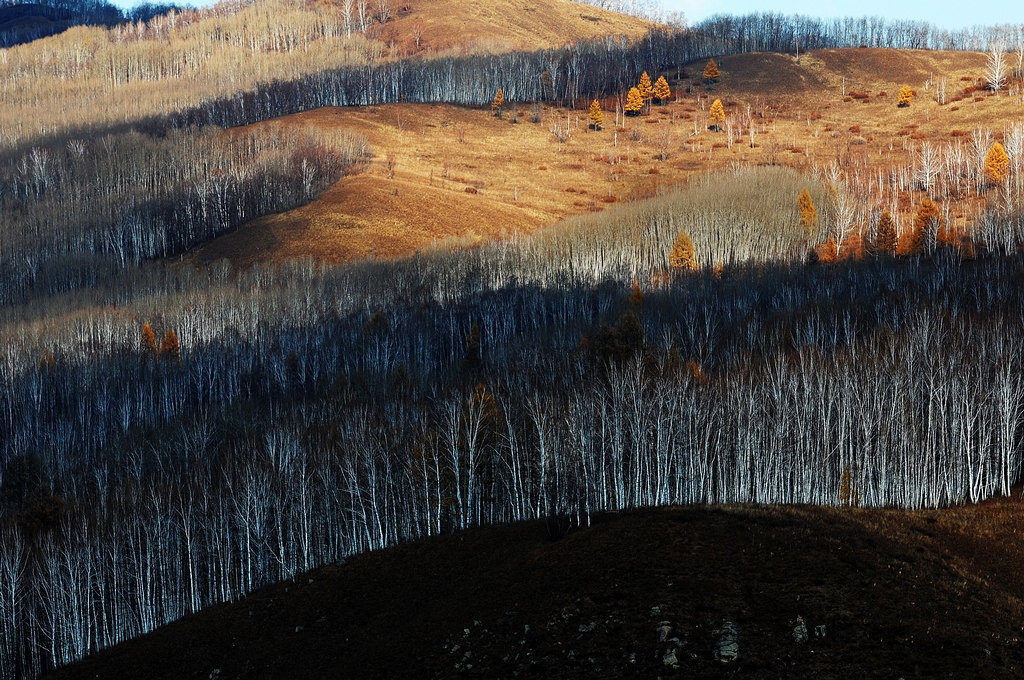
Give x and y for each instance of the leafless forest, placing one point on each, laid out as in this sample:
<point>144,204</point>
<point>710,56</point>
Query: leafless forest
<point>277,419</point>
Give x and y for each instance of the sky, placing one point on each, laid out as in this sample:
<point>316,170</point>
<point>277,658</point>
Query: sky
<point>950,15</point>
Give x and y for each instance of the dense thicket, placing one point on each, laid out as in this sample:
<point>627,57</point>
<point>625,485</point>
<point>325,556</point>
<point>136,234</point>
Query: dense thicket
<point>317,412</point>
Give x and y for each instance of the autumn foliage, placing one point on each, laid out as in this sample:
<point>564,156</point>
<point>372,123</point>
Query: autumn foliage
<point>148,338</point>
<point>634,102</point>
<point>169,346</point>
<point>997,163</point>
<point>926,226</point>
<point>662,92</point>
<point>496,103</point>
<point>885,234</point>
<point>644,87</point>
<point>683,255</point>
<point>596,115</point>
<point>808,213</point>
<point>711,73</point>
<point>716,114</point>
<point>906,95</point>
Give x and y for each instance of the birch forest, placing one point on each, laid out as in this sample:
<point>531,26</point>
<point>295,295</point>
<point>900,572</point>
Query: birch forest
<point>172,437</point>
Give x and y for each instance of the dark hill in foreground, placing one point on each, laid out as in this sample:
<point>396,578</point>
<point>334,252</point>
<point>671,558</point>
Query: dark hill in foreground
<point>879,593</point>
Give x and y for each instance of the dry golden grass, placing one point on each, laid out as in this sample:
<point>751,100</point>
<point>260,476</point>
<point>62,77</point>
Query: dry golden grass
<point>505,26</point>
<point>458,175</point>
<point>97,76</point>
<point>525,177</point>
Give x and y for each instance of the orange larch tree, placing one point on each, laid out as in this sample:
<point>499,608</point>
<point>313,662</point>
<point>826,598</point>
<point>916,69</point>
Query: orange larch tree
<point>926,227</point>
<point>711,73</point>
<point>170,346</point>
<point>148,338</point>
<point>662,92</point>
<point>716,114</point>
<point>644,87</point>
<point>596,115</point>
<point>683,255</point>
<point>634,102</point>
<point>496,103</point>
<point>808,213</point>
<point>905,97</point>
<point>885,234</point>
<point>997,163</point>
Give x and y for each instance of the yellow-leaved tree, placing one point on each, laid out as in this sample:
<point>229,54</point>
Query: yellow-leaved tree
<point>848,494</point>
<point>997,163</point>
<point>634,102</point>
<point>662,92</point>
<point>905,96</point>
<point>683,255</point>
<point>496,103</point>
<point>716,114</point>
<point>926,227</point>
<point>170,346</point>
<point>711,73</point>
<point>644,87</point>
<point>148,338</point>
<point>808,214</point>
<point>596,115</point>
<point>885,234</point>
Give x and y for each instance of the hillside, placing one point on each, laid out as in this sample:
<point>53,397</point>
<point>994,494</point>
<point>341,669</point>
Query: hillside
<point>640,594</point>
<point>96,76</point>
<point>833,113</point>
<point>250,334</point>
<point>503,26</point>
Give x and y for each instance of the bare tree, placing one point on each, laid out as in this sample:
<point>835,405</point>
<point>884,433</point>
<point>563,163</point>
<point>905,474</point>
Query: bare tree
<point>929,163</point>
<point>995,67</point>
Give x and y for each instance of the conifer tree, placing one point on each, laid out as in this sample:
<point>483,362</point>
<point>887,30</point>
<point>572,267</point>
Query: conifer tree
<point>716,114</point>
<point>644,87</point>
<point>848,494</point>
<point>148,338</point>
<point>997,163</point>
<point>683,255</point>
<point>905,97</point>
<point>808,213</point>
<point>662,92</point>
<point>711,73</point>
<point>499,99</point>
<point>596,115</point>
<point>926,226</point>
<point>634,102</point>
<point>830,251</point>
<point>47,360</point>
<point>169,346</point>
<point>885,234</point>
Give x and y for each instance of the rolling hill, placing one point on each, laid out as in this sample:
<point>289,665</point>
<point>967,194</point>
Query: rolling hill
<point>539,164</point>
<point>808,592</point>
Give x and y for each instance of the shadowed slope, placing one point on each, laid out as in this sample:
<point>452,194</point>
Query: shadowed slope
<point>897,594</point>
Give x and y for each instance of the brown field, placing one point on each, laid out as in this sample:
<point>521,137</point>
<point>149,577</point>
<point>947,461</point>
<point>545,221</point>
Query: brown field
<point>98,76</point>
<point>932,593</point>
<point>463,175</point>
<point>502,26</point>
